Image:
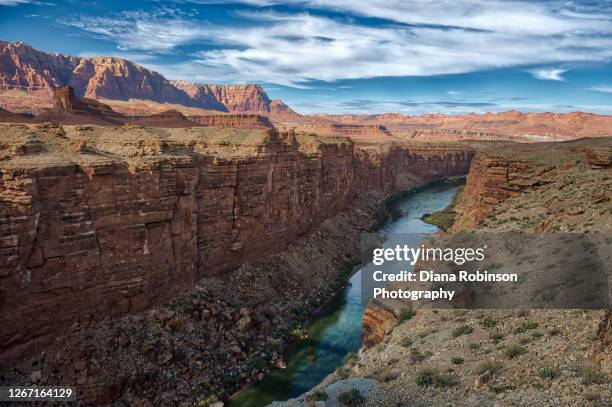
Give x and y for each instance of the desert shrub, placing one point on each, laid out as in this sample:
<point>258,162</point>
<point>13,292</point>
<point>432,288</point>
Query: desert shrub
<point>496,336</point>
<point>462,330</point>
<point>416,356</point>
<point>457,360</point>
<point>536,335</point>
<point>502,388</point>
<point>431,376</point>
<point>591,375</point>
<point>352,397</point>
<point>489,323</point>
<point>548,373</point>
<point>406,342</point>
<point>491,365</point>
<point>513,350</point>
<point>318,395</point>
<point>406,314</point>
<point>475,345</point>
<point>525,326</point>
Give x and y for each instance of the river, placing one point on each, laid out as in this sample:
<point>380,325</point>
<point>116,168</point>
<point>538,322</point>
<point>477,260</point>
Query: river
<point>336,331</point>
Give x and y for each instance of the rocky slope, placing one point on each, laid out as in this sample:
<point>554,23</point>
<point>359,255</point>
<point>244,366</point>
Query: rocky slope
<point>105,222</point>
<point>25,68</point>
<point>501,357</point>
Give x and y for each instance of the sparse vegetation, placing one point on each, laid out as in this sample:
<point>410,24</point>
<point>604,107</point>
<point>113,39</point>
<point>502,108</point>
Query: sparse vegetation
<point>416,356</point>
<point>489,323</point>
<point>525,326</point>
<point>406,314</point>
<point>352,397</point>
<point>513,350</point>
<point>407,342</point>
<point>490,364</point>
<point>591,375</point>
<point>548,373</point>
<point>318,395</point>
<point>462,330</point>
<point>431,376</point>
<point>457,360</point>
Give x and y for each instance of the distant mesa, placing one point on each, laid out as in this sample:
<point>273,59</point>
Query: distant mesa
<point>108,91</point>
<point>238,120</point>
<point>169,118</point>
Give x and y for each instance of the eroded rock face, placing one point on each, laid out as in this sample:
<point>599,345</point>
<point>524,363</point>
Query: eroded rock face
<point>104,221</point>
<point>378,320</point>
<point>231,98</point>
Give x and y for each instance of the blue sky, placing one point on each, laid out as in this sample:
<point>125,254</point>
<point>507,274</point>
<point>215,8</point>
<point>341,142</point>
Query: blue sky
<point>350,56</point>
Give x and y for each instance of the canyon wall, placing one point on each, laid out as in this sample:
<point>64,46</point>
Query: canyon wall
<point>100,221</point>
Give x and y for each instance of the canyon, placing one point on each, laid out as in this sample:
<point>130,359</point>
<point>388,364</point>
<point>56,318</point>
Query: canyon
<point>104,223</point>
<point>420,355</point>
<point>161,240</point>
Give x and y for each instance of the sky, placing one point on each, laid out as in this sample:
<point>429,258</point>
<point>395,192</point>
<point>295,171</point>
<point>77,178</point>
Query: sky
<point>350,56</point>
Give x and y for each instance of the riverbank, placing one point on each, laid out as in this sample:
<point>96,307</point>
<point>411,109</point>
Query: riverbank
<point>501,357</point>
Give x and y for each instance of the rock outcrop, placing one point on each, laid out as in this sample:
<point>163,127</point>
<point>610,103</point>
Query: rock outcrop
<point>71,109</point>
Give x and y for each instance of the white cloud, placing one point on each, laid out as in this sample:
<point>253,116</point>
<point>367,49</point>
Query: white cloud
<point>548,74</point>
<point>602,88</point>
<point>13,2</point>
<point>510,16</point>
<point>295,48</point>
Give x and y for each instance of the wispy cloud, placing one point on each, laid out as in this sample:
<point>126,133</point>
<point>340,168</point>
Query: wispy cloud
<point>548,74</point>
<point>13,2</point>
<point>421,39</point>
<point>602,88</point>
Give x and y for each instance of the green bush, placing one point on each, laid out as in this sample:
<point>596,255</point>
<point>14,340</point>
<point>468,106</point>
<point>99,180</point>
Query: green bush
<point>548,373</point>
<point>525,326</point>
<point>489,323</point>
<point>457,360</point>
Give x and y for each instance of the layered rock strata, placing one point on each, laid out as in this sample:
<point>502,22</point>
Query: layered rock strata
<point>236,121</point>
<point>100,221</point>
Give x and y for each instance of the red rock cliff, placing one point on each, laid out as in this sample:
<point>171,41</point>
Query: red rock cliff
<point>24,67</point>
<point>100,222</point>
